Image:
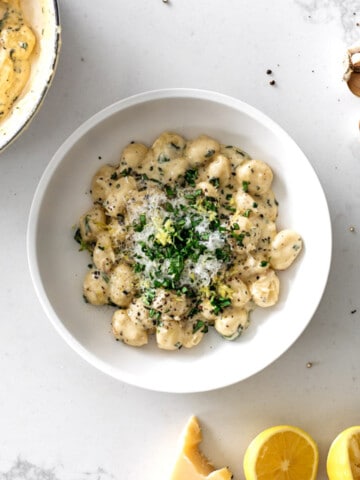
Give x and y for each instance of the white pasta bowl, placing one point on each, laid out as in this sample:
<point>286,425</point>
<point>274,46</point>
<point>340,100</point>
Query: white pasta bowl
<point>43,18</point>
<point>57,267</point>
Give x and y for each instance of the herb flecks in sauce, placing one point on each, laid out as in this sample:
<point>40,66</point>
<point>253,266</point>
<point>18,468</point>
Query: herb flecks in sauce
<point>17,42</point>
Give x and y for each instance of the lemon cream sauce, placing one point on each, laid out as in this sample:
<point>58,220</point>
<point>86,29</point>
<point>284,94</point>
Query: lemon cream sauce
<point>17,42</point>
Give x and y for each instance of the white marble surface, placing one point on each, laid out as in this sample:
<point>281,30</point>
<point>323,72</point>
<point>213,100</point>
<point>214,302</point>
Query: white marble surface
<point>60,419</point>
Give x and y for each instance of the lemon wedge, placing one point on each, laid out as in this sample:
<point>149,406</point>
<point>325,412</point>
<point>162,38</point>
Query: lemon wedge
<point>191,463</point>
<point>281,453</point>
<point>343,460</point>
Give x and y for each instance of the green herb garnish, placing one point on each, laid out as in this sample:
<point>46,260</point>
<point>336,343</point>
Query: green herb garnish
<point>191,176</point>
<point>215,181</point>
<point>245,186</point>
<point>239,237</point>
<point>89,246</point>
<point>200,325</point>
<point>139,226</point>
<point>219,303</point>
<point>126,172</point>
<point>162,158</point>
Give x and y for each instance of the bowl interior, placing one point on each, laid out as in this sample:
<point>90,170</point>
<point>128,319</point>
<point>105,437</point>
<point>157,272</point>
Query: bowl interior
<point>42,16</point>
<point>58,267</point>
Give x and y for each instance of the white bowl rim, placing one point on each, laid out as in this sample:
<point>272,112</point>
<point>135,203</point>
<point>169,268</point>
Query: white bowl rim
<point>33,221</point>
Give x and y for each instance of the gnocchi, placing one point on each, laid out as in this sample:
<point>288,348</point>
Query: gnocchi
<point>183,238</point>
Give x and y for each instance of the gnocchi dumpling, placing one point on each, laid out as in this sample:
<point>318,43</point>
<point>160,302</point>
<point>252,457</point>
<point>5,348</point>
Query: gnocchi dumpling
<point>265,289</point>
<point>92,223</point>
<point>193,332</point>
<point>128,331</point>
<point>208,189</point>
<point>138,312</point>
<point>219,169</point>
<point>96,288</point>
<point>168,146</point>
<point>240,294</point>
<point>103,254</point>
<point>235,154</point>
<point>254,176</point>
<point>115,201</point>
<point>101,183</point>
<point>132,156</point>
<point>285,247</point>
<point>201,150</point>
<point>170,335</point>
<point>122,284</point>
<point>231,323</point>
<point>171,305</point>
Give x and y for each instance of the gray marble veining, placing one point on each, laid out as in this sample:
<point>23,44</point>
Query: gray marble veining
<point>24,470</point>
<point>346,12</point>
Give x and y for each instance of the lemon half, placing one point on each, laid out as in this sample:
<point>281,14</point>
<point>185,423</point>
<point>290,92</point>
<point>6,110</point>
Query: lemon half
<point>281,453</point>
<point>343,461</point>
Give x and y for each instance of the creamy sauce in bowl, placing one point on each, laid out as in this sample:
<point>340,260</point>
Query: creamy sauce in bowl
<point>42,18</point>
<point>17,43</point>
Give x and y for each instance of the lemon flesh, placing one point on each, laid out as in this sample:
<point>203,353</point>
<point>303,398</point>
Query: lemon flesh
<point>281,453</point>
<point>343,461</point>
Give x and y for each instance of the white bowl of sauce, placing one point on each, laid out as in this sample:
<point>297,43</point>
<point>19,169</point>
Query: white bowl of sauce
<point>29,49</point>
